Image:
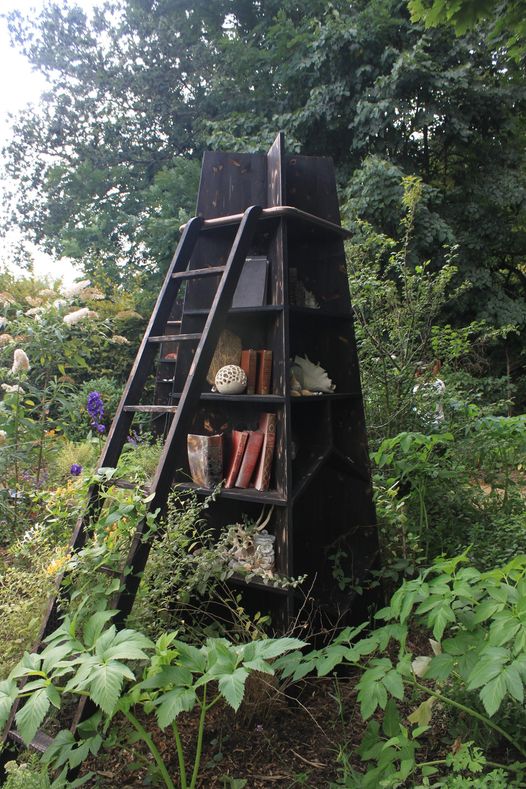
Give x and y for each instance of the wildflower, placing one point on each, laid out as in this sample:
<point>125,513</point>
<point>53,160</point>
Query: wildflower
<point>75,470</point>
<point>93,314</point>
<point>76,316</point>
<point>20,361</point>
<point>2,323</point>
<point>75,289</point>
<point>57,564</point>
<point>120,340</point>
<point>5,339</point>
<point>125,315</point>
<point>33,301</point>
<point>59,303</point>
<point>47,293</point>
<point>33,311</point>
<point>9,389</point>
<point>3,437</point>
<point>95,408</point>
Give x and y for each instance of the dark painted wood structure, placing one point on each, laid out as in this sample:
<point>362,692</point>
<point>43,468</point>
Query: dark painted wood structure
<point>286,208</point>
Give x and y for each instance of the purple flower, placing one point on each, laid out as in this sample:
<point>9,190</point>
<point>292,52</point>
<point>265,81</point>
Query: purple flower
<point>75,469</point>
<point>95,408</point>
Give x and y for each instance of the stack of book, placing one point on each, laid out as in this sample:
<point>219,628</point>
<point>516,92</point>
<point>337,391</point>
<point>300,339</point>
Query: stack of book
<point>252,452</point>
<point>258,368</point>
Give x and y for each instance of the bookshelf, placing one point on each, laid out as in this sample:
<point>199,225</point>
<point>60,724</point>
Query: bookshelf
<point>320,484</point>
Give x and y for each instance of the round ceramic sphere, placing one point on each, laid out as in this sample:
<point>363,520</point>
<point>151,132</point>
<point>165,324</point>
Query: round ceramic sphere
<point>231,379</point>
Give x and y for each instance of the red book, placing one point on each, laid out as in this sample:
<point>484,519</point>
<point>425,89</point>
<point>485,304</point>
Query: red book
<point>264,372</point>
<point>250,459</point>
<point>249,361</point>
<point>267,425</point>
<point>239,441</point>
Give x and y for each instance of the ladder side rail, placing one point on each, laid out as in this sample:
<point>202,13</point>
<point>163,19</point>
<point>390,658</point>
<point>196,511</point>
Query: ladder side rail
<point>147,350</point>
<point>160,486</point>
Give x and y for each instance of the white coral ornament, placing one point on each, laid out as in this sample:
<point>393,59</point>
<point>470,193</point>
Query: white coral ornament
<point>231,379</point>
<point>312,376</point>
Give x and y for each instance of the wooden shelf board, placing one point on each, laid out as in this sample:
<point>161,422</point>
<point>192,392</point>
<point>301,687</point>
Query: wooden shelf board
<point>262,309</point>
<point>257,583</point>
<point>310,312</point>
<point>239,494</point>
<point>325,396</point>
<point>240,398</point>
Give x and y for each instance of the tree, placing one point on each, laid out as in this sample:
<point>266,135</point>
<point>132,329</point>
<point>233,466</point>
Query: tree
<point>142,88</point>
<point>505,21</point>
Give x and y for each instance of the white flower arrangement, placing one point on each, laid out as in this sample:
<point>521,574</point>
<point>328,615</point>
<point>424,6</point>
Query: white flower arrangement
<point>12,389</point>
<point>120,340</point>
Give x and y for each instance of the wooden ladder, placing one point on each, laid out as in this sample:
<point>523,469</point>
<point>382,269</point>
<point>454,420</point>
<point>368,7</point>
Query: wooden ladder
<point>178,273</point>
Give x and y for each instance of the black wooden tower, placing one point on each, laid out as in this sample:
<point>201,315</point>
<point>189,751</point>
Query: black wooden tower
<point>285,208</point>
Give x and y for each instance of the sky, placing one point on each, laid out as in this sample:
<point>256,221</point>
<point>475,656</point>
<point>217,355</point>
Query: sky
<point>20,86</point>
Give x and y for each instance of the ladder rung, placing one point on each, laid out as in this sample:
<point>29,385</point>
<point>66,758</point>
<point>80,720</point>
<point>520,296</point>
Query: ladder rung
<point>175,338</point>
<point>152,409</point>
<point>124,484</point>
<point>211,271</point>
<point>40,742</point>
<point>109,571</point>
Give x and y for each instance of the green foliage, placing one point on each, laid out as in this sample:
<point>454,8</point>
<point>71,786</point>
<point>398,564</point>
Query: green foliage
<point>478,648</point>
<point>184,583</point>
<point>396,306</point>
<point>73,414</point>
<point>384,97</point>
<point>104,664</point>
<point>504,21</point>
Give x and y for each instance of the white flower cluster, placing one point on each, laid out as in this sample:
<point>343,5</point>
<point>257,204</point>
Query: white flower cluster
<point>75,289</point>
<point>20,361</point>
<point>75,317</point>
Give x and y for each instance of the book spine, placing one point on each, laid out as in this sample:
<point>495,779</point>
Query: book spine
<point>267,425</point>
<point>249,365</point>
<point>250,459</point>
<point>264,372</point>
<point>239,442</point>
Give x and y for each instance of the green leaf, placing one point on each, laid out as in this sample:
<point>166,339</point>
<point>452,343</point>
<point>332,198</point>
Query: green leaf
<point>493,693</point>
<point>232,686</point>
<point>106,685</point>
<point>423,713</point>
<point>168,676</point>
<point>259,665</point>
<point>95,625</point>
<point>391,721</point>
<point>272,647</point>
<point>394,684</point>
<point>8,694</point>
<point>173,703</point>
<point>29,718</point>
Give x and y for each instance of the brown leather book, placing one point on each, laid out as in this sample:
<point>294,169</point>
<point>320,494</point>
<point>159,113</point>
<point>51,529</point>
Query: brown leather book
<point>267,425</point>
<point>239,442</point>
<point>250,459</point>
<point>264,372</point>
<point>249,362</point>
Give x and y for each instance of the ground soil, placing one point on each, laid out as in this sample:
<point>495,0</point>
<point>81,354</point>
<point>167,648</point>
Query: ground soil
<point>273,741</point>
